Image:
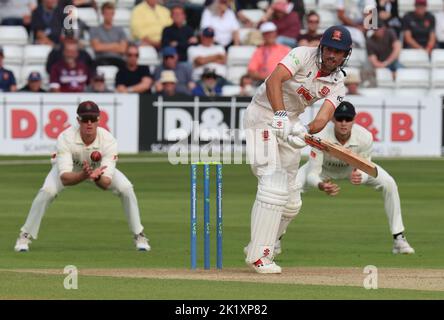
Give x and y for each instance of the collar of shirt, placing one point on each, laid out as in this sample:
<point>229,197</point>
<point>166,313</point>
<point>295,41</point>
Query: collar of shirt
<point>78,140</point>
<point>333,77</point>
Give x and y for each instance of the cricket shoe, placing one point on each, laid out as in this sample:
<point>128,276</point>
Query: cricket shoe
<point>141,242</point>
<point>402,246</point>
<point>23,241</point>
<point>265,265</point>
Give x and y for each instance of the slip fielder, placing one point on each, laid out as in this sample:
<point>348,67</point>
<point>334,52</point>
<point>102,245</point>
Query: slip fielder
<point>321,169</point>
<point>275,135</point>
<point>84,153</point>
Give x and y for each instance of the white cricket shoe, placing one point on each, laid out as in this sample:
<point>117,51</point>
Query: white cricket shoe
<point>265,265</point>
<point>141,242</point>
<point>23,241</point>
<point>402,246</point>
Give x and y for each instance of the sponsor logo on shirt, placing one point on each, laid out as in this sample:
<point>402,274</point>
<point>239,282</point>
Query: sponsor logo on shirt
<point>324,91</point>
<point>295,58</point>
<point>305,93</point>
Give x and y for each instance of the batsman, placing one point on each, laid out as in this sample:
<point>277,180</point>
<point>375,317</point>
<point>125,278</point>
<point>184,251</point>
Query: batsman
<point>322,169</point>
<point>275,135</point>
<point>85,153</point>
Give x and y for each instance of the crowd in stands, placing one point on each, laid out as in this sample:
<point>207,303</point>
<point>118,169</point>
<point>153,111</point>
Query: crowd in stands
<point>191,45</point>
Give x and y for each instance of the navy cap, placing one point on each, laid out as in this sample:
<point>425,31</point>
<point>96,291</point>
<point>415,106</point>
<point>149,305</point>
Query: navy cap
<point>345,110</point>
<point>337,37</point>
<point>34,76</point>
<point>208,32</point>
<point>169,51</point>
<point>88,109</point>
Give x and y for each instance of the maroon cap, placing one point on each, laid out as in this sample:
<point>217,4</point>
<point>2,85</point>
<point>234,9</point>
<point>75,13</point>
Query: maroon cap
<point>88,108</point>
<point>420,2</point>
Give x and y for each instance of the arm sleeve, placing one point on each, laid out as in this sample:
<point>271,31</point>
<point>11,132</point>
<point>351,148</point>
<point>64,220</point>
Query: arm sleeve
<point>109,158</point>
<point>294,60</point>
<point>336,96</point>
<point>206,19</point>
<point>119,79</point>
<point>64,156</point>
<point>315,167</point>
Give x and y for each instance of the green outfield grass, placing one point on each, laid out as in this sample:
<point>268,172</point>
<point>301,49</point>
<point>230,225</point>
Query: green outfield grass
<point>86,227</point>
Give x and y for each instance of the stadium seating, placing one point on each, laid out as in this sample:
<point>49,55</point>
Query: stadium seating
<point>128,4</point>
<point>327,18</point>
<point>310,5</point>
<point>148,56</point>
<point>13,35</point>
<point>230,90</point>
<point>240,55</point>
<point>327,5</point>
<point>13,55</point>
<point>414,58</point>
<point>412,78</point>
<point>243,34</point>
<point>437,78</point>
<point>376,92</point>
<point>357,58</point>
<point>110,75</point>
<point>89,16</point>
<point>254,15</point>
<point>36,54</point>
<point>438,58</point>
<point>234,73</point>
<point>384,78</point>
<point>122,17</point>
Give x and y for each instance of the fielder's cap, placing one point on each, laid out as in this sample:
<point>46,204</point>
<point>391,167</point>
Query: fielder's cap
<point>267,27</point>
<point>337,37</point>
<point>208,32</point>
<point>209,73</point>
<point>34,76</point>
<point>420,2</point>
<point>169,51</point>
<point>88,109</point>
<point>345,110</point>
<point>168,76</point>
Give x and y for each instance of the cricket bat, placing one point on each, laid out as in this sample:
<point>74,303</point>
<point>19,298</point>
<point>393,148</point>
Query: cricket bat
<point>343,154</point>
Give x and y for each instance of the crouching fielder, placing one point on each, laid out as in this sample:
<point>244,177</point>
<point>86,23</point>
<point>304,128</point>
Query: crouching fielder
<point>85,153</point>
<point>321,169</point>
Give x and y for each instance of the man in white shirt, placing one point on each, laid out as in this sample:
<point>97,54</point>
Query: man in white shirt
<point>275,135</point>
<point>321,169</point>
<point>84,153</point>
<point>207,55</point>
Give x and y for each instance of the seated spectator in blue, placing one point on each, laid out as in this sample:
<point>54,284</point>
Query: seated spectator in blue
<point>133,78</point>
<point>17,12</point>
<point>34,83</point>
<point>56,54</point>
<point>179,35</point>
<point>208,86</point>
<point>7,79</point>
<point>108,41</point>
<point>47,22</point>
<point>183,72</point>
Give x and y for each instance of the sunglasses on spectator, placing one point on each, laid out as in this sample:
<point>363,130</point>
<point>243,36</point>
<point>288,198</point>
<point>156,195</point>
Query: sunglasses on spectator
<point>132,54</point>
<point>313,21</point>
<point>89,118</point>
<point>346,119</point>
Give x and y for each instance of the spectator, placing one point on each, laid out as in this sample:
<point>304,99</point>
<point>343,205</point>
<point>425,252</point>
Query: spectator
<point>208,86</point>
<point>182,71</point>
<point>298,6</point>
<point>56,54</point>
<point>419,28</point>
<point>98,84</point>
<point>7,79</point>
<point>266,57</point>
<point>207,55</point>
<point>388,12</point>
<point>148,20</point>
<point>17,12</point>
<point>223,21</point>
<point>351,14</point>
<point>352,82</point>
<point>133,78</point>
<point>169,84</point>
<point>34,83</point>
<point>108,41</point>
<point>247,86</point>
<point>439,29</point>
<point>383,48</point>
<point>287,23</point>
<point>47,22</point>
<point>312,37</point>
<point>179,34</point>
<point>69,74</point>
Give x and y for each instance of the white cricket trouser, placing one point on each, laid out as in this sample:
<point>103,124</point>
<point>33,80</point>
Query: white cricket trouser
<point>52,186</point>
<point>275,164</point>
<point>384,182</point>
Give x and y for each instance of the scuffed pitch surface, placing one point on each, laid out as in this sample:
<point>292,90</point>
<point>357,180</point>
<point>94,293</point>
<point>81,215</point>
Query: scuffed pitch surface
<point>390,278</point>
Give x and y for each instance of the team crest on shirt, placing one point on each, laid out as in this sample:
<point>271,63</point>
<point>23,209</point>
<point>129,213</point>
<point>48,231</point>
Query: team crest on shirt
<point>324,91</point>
<point>337,35</point>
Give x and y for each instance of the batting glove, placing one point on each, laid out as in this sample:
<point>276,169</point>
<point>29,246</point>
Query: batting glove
<point>296,137</point>
<point>280,124</point>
